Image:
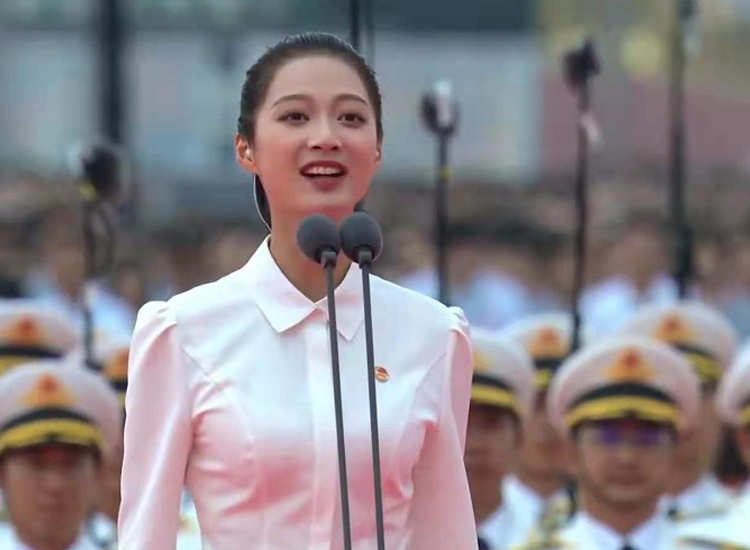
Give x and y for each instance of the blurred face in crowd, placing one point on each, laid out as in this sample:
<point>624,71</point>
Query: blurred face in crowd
<point>739,256</point>
<point>642,252</point>
<point>130,283</point>
<point>491,442</point>
<point>466,259</point>
<point>743,444</point>
<point>623,464</point>
<point>541,455</point>
<point>109,492</point>
<point>696,449</point>
<point>63,254</point>
<point>49,492</point>
<point>315,147</point>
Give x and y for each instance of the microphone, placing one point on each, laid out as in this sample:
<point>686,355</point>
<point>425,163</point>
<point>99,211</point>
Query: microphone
<point>103,172</point>
<point>440,110</point>
<point>318,239</point>
<point>361,238</point>
<point>362,242</point>
<point>440,115</point>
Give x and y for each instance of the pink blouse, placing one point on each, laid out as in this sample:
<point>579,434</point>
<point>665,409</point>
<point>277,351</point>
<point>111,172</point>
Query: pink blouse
<point>231,394</point>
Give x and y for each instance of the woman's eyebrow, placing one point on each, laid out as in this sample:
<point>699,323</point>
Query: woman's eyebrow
<point>303,97</point>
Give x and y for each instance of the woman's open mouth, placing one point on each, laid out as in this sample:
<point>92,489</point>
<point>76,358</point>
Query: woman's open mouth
<point>324,174</point>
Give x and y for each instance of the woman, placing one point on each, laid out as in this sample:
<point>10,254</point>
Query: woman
<point>230,389</point>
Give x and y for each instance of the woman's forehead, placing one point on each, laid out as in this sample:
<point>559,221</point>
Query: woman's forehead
<point>316,76</point>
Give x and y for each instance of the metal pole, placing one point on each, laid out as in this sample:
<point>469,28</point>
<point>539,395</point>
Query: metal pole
<point>683,261</point>
<point>581,199</point>
<point>441,219</point>
<point>354,24</point>
<point>110,39</point>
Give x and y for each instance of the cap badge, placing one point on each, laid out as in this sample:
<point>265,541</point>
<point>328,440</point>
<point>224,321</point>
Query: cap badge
<point>48,392</point>
<point>24,332</point>
<point>630,366</point>
<point>117,369</point>
<point>674,330</point>
<point>548,342</point>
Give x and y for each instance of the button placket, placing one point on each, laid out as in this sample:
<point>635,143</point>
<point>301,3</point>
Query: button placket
<point>325,474</point>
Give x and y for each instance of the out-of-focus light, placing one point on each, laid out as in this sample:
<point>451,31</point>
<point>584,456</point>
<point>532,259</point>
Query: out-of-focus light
<point>642,53</point>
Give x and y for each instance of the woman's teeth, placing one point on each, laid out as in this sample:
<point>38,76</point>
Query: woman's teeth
<point>322,171</point>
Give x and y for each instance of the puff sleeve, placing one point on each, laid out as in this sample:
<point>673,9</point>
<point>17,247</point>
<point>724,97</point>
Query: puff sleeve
<point>441,515</point>
<point>158,433</point>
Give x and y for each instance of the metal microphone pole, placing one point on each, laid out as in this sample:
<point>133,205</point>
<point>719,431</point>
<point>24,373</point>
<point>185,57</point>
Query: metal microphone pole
<point>580,66</point>
<point>318,239</point>
<point>366,264</point>
<point>328,261</point>
<point>354,24</point>
<point>102,174</point>
<point>683,246</point>
<point>440,114</point>
<point>362,242</point>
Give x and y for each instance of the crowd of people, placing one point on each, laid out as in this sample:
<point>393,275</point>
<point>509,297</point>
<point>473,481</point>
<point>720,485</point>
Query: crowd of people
<point>555,443</point>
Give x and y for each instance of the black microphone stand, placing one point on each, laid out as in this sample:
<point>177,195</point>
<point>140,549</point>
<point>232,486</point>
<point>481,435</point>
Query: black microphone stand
<point>318,239</point>
<point>95,191</point>
<point>441,117</point>
<point>683,246</point>
<point>580,66</point>
<point>364,254</point>
<point>354,24</point>
<point>90,259</point>
<point>328,261</point>
<point>365,262</point>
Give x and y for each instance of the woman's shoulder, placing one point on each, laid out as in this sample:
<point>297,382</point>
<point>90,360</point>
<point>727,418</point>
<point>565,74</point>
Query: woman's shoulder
<point>403,305</point>
<point>208,301</point>
<point>196,314</point>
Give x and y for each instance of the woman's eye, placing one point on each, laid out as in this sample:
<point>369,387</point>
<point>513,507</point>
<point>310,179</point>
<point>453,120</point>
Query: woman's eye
<point>352,117</point>
<point>294,117</point>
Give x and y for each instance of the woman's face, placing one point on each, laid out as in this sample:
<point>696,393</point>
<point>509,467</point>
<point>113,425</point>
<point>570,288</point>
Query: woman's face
<point>315,145</point>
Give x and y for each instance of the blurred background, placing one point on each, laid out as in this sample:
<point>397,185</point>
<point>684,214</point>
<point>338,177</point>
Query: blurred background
<point>162,79</point>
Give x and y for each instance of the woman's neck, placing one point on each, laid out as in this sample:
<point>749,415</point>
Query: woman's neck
<point>306,276</point>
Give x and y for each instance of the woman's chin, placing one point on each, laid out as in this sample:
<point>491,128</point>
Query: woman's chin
<point>332,203</point>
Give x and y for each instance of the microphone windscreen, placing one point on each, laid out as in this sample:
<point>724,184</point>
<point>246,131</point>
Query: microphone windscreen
<point>360,232</point>
<point>103,168</point>
<point>316,234</point>
<point>439,109</point>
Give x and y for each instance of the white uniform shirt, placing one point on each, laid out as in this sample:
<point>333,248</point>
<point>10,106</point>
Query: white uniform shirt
<point>102,531</point>
<point>586,533</point>
<point>730,530</point>
<point>705,497</point>
<point>231,392</point>
<point>189,537</point>
<point>9,541</point>
<point>506,528</point>
<point>609,304</point>
<point>531,506</point>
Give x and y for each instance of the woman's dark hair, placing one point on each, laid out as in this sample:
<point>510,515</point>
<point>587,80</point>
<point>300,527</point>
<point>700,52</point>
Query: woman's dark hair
<point>259,77</point>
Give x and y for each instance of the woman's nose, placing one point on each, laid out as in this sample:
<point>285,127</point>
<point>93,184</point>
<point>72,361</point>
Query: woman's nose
<point>324,136</point>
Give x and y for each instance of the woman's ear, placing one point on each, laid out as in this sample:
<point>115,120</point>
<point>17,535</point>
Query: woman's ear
<point>244,153</point>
